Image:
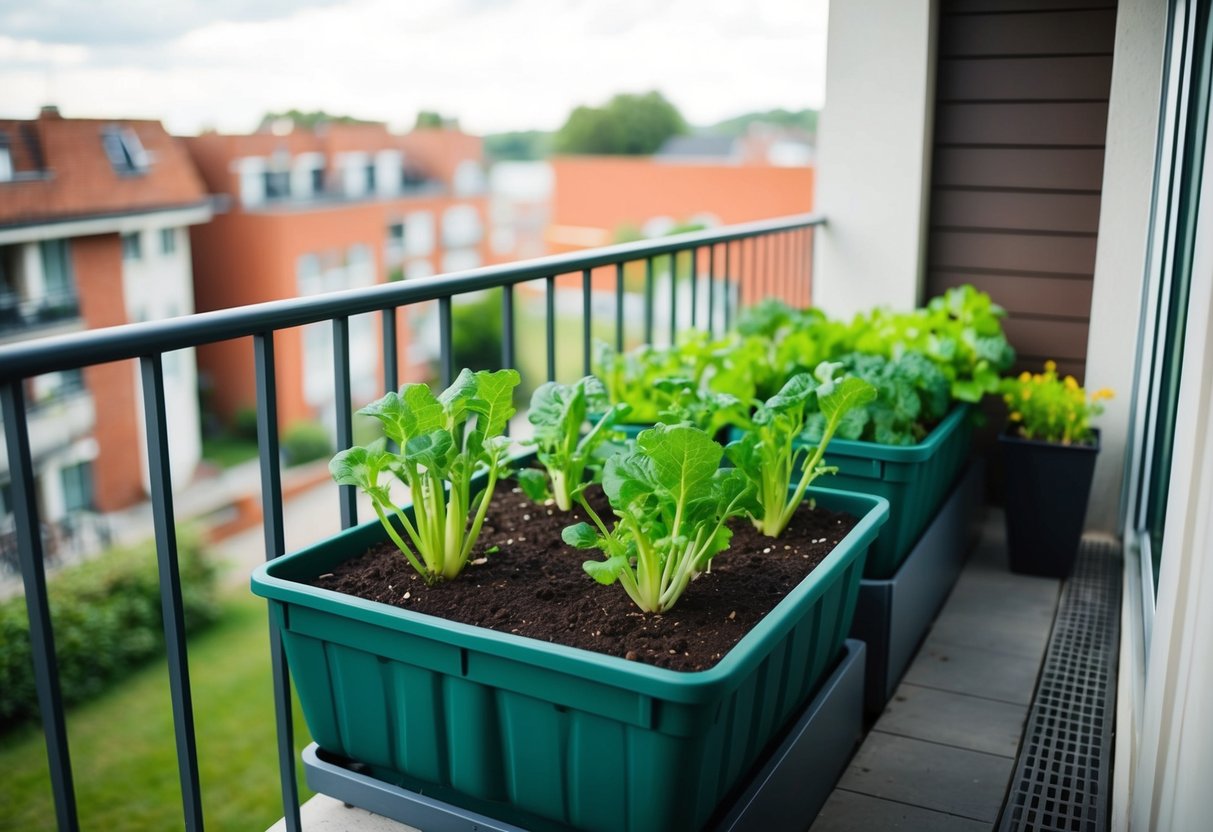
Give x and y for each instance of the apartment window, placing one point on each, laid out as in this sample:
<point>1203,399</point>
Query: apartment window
<point>6,160</point>
<point>77,481</point>
<point>168,240</point>
<point>57,270</point>
<point>276,184</point>
<point>124,150</point>
<point>359,267</point>
<point>469,178</point>
<point>460,226</point>
<point>370,179</point>
<point>317,181</point>
<point>395,235</point>
<point>132,246</point>
<point>420,239</point>
<point>308,275</point>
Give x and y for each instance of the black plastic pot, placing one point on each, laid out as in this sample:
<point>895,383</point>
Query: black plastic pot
<point>1047,489</point>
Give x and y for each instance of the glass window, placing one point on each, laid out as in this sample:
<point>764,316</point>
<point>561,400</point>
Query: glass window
<point>277,184</point>
<point>132,246</point>
<point>360,267</point>
<point>469,178</point>
<point>6,161</point>
<point>420,239</point>
<point>57,270</point>
<point>77,481</point>
<point>460,226</point>
<point>124,149</point>
<point>168,240</point>
<point>317,181</point>
<point>370,179</point>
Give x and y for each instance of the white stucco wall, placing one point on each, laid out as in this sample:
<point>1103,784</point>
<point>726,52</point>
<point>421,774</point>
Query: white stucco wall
<point>160,285</point>
<point>1124,224</point>
<point>874,153</point>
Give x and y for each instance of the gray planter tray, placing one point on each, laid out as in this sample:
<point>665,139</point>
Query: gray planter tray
<point>893,615</point>
<point>787,789</point>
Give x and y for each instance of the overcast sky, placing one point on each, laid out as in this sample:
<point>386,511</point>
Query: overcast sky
<point>494,64</point>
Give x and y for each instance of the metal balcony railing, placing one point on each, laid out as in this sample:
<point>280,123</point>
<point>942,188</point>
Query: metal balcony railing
<point>19,317</point>
<point>734,265</point>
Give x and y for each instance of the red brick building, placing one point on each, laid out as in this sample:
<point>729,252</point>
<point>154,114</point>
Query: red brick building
<point>315,210</point>
<point>93,218</point>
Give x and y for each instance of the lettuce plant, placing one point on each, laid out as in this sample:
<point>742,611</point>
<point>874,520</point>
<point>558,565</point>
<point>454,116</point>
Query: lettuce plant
<point>631,378</point>
<point>444,441</point>
<point>672,501</point>
<point>558,412</point>
<point>912,394</point>
<point>707,410</point>
<point>769,453</point>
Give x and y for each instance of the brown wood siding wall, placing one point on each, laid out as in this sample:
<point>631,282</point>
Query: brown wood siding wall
<point>1021,113</point>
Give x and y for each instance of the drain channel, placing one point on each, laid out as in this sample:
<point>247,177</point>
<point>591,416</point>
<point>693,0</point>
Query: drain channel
<point>1063,772</point>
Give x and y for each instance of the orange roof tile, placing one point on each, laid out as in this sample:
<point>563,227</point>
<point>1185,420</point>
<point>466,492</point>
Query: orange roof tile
<point>62,171</point>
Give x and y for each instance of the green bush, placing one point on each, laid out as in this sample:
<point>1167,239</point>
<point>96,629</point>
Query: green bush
<point>106,619</point>
<point>306,442</point>
<point>244,423</point>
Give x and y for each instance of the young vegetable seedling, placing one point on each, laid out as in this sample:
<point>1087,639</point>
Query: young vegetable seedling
<point>672,501</point>
<point>558,411</point>
<point>444,442</point>
<point>769,455</point>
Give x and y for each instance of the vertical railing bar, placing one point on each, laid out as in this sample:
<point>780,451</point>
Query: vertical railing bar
<point>161,482</point>
<point>755,281</point>
<point>712,288</point>
<point>728,263</point>
<point>446,349</point>
<point>343,402</point>
<point>674,297</point>
<point>549,330</point>
<point>619,307</point>
<point>507,331</point>
<point>391,351</point>
<point>806,264</point>
<point>587,318</point>
<point>33,576</point>
<point>275,546</point>
<point>695,287</point>
<point>648,301</point>
<point>780,264</point>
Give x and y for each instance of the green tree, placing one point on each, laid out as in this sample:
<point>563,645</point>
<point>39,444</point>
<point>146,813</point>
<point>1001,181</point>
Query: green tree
<point>432,119</point>
<point>629,125</point>
<point>308,119</point>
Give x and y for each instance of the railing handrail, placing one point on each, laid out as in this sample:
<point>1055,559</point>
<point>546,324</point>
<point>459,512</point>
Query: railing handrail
<point>35,357</point>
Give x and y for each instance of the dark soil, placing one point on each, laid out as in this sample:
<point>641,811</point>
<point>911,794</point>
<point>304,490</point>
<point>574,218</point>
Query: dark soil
<point>533,585</point>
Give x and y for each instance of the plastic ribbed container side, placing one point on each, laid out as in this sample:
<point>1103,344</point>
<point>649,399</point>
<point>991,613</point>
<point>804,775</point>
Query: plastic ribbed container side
<point>548,736</point>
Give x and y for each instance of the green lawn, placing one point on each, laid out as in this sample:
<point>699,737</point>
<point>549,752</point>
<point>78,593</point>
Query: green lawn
<point>123,756</point>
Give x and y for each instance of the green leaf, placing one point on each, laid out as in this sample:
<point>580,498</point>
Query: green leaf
<point>683,458</point>
<point>493,401</point>
<point>411,412</point>
<point>433,450</point>
<point>849,393</point>
<point>580,536</point>
<point>534,484</point>
<point>359,467</point>
<point>607,571</point>
<point>795,393</point>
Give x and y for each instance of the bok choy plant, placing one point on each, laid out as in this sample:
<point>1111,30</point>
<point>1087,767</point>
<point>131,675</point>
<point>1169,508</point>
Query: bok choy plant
<point>444,442</point>
<point>558,412</point>
<point>672,501</point>
<point>769,453</point>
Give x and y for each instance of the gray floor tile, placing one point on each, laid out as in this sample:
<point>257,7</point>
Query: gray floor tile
<point>968,722</point>
<point>974,671</point>
<point>1011,636</point>
<point>853,812</point>
<point>930,776</point>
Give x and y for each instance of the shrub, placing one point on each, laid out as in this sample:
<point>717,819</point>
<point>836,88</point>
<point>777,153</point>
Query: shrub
<point>107,622</point>
<point>306,442</point>
<point>244,423</point>
<point>1050,409</point>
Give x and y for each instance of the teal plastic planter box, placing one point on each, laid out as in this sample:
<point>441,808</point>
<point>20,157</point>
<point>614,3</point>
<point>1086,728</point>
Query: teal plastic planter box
<point>548,736</point>
<point>915,479</point>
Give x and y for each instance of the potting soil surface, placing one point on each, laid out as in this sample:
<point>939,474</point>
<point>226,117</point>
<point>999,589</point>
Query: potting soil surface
<point>524,579</point>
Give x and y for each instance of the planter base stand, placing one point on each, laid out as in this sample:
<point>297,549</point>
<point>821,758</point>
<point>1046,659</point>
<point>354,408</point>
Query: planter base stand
<point>892,616</point>
<point>787,789</point>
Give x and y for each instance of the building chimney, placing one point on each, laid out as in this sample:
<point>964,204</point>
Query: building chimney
<point>50,111</point>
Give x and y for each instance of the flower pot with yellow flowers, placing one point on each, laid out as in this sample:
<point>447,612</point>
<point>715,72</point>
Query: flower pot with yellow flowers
<point>1049,450</point>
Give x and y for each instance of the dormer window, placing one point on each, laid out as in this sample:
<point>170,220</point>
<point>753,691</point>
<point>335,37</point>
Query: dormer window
<point>124,150</point>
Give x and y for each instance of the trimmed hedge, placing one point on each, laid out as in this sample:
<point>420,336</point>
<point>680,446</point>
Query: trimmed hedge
<point>107,621</point>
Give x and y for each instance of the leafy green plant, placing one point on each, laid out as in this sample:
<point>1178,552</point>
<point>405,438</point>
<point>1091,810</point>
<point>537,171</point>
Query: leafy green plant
<point>558,412</point>
<point>107,621</point>
<point>672,501</point>
<point>912,394</point>
<point>443,441</point>
<point>707,410</point>
<point>305,442</point>
<point>631,378</point>
<point>770,456</point>
<point>961,331</point>
<point>1050,409</point>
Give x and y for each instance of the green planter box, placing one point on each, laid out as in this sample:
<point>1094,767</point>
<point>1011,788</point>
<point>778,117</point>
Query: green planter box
<point>915,479</point>
<point>547,736</point>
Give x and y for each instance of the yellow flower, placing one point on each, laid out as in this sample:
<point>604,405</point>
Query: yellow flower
<point>1071,383</point>
<point>1101,394</point>
<point>1050,366</point>
<point>1016,416</point>
<point>1025,376</point>
<point>1027,393</point>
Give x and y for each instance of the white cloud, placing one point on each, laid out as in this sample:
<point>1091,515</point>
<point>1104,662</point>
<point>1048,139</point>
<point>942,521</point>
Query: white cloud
<point>509,64</point>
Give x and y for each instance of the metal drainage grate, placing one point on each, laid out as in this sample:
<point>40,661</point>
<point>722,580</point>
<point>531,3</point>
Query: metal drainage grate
<point>1063,773</point>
